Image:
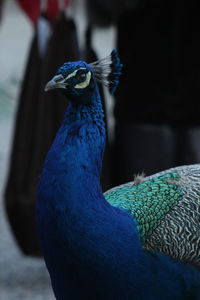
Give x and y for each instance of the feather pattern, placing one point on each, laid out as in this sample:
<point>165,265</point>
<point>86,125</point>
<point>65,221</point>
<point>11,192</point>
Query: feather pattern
<point>178,231</point>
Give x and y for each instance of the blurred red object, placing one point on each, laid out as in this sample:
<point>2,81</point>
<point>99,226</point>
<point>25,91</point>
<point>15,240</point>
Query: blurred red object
<point>33,8</point>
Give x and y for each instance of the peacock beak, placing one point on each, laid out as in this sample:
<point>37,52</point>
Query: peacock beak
<point>57,82</point>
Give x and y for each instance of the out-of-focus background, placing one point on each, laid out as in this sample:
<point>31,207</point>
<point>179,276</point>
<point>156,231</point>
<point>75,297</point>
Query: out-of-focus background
<point>152,121</point>
<point>21,277</point>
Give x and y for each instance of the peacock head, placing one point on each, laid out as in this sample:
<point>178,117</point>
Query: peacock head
<point>78,80</point>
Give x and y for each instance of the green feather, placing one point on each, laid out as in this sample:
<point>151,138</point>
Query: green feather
<point>148,201</point>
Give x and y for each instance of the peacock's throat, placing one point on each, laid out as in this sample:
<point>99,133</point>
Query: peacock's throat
<point>92,112</point>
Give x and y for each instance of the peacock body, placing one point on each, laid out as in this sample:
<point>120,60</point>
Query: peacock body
<point>94,246</point>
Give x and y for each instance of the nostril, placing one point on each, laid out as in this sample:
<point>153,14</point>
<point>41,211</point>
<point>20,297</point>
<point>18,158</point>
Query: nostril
<point>58,78</point>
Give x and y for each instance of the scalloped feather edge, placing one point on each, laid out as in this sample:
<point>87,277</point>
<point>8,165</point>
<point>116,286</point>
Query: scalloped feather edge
<point>108,70</point>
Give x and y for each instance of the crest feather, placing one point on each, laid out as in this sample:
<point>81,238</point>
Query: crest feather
<point>108,70</point>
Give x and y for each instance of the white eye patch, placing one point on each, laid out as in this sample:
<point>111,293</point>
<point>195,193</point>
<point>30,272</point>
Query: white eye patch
<point>74,73</point>
<point>71,74</point>
<point>85,83</point>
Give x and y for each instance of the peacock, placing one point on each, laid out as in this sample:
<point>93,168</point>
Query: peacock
<point>136,241</point>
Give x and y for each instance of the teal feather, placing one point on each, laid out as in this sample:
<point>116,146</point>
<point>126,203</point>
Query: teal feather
<point>148,201</point>
<point>167,209</point>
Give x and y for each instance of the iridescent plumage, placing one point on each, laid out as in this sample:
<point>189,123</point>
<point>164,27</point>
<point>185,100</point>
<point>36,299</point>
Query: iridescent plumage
<point>166,206</point>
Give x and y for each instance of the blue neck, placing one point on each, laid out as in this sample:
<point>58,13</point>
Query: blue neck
<point>91,113</point>
<point>75,158</point>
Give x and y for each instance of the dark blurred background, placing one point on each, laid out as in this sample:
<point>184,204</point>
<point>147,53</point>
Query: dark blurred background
<point>152,121</point>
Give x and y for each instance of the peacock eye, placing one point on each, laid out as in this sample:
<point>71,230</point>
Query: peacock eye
<point>81,75</point>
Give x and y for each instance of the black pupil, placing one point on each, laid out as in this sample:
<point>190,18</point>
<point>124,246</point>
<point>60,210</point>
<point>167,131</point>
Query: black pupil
<point>81,75</point>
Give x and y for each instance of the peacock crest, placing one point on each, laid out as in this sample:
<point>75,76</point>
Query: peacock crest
<point>108,70</point>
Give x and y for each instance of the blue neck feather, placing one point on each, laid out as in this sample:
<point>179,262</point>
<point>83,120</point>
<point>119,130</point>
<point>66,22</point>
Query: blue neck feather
<point>92,112</point>
<point>79,145</point>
